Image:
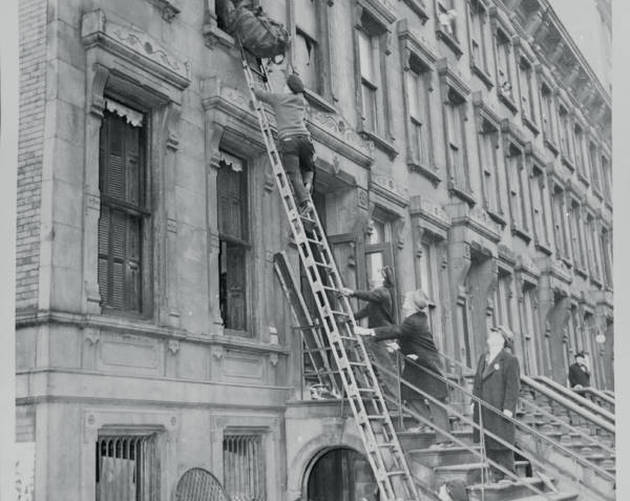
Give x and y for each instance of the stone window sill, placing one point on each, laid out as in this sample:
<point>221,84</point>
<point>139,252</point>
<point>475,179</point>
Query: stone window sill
<point>551,146</point>
<point>419,8</point>
<point>568,162</point>
<point>317,100</point>
<point>214,36</point>
<point>381,143</point>
<point>462,193</point>
<point>608,203</point>
<point>450,41</point>
<point>595,280</point>
<point>530,124</point>
<point>483,75</point>
<point>567,261</point>
<point>497,216</point>
<point>429,172</point>
<point>583,179</point>
<point>507,100</point>
<point>543,247</point>
<point>579,270</point>
<point>521,233</point>
<point>598,193</point>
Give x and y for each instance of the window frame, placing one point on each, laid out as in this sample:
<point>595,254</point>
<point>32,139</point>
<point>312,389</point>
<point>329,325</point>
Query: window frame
<point>576,232</point>
<point>477,14</point>
<point>143,210</point>
<point>452,40</point>
<point>579,137</point>
<point>503,55</point>
<point>260,449</point>
<point>550,132</point>
<point>244,244</point>
<point>538,190</point>
<point>529,115</point>
<point>517,185</point>
<point>594,166</point>
<point>567,154</point>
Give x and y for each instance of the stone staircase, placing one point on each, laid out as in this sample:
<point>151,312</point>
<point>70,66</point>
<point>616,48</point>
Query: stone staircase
<point>555,474</point>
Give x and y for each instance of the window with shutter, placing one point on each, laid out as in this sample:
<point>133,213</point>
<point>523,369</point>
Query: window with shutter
<point>234,243</point>
<point>124,218</point>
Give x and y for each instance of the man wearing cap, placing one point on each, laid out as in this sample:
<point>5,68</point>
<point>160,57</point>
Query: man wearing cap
<point>296,146</point>
<point>497,382</point>
<point>422,366</point>
<point>579,375</point>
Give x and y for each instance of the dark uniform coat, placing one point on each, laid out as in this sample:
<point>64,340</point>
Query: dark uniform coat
<point>497,383</point>
<point>414,338</point>
<point>579,374</point>
<point>380,308</point>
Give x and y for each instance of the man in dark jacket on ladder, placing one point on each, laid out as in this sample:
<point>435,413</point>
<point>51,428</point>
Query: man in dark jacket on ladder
<point>296,146</point>
<point>497,382</point>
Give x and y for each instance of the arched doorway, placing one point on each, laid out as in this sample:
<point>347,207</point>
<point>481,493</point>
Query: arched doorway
<point>341,474</point>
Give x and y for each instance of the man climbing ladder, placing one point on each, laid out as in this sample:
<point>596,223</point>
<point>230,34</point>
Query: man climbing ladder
<point>350,357</point>
<point>296,145</point>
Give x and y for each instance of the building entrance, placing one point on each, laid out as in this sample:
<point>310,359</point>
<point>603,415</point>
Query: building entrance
<point>342,474</point>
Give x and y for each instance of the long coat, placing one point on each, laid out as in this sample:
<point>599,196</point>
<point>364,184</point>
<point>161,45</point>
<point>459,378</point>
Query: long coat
<point>498,384</point>
<point>380,308</point>
<point>579,374</point>
<point>414,338</point>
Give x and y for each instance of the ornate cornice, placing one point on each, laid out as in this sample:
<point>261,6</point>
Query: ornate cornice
<point>135,46</point>
<point>386,188</point>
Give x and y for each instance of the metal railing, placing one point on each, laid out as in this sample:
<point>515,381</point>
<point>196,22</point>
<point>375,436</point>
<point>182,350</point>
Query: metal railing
<point>596,401</point>
<point>530,430</point>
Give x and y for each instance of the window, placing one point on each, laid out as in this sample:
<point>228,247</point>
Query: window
<point>430,284</point>
<point>478,37</point>
<point>125,220</point>
<point>576,234</point>
<point>127,468</point>
<point>559,226</point>
<point>531,329</point>
<point>244,477</point>
<point>447,17</point>
<point>457,161</point>
<point>503,300</point>
<point>591,247</point>
<point>417,89</point>
<point>575,331</point>
<point>528,100</point>
<point>594,167</point>
<point>307,49</point>
<point>539,221</point>
<point>565,133</point>
<point>370,62</point>
<point>548,115</point>
<point>606,178</point>
<point>579,150</point>
<point>606,252</point>
<point>516,172</point>
<point>234,242</point>
<point>504,66</point>
<point>488,145</point>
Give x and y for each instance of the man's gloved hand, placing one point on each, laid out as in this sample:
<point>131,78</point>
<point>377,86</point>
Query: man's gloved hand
<point>345,291</point>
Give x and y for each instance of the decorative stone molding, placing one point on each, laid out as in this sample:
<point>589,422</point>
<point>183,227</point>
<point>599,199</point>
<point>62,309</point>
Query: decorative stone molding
<point>430,215</point>
<point>382,11</point>
<point>451,77</point>
<point>173,346</point>
<point>419,8</point>
<point>100,74</point>
<point>385,187</point>
<point>136,47</point>
<point>169,9</point>
<point>92,336</point>
<point>476,219</point>
<point>412,42</point>
<point>273,359</point>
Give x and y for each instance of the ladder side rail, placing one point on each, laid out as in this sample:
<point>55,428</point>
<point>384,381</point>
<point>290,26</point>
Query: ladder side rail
<point>348,377</point>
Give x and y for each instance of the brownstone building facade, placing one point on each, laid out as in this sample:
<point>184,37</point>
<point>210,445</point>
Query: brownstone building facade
<point>464,142</point>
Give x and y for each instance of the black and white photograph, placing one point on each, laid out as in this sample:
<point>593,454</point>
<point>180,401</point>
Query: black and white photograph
<point>310,250</point>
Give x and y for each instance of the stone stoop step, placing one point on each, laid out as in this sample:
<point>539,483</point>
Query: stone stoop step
<point>421,440</point>
<point>555,496</point>
<point>444,457</point>
<point>509,491</point>
<point>470,472</point>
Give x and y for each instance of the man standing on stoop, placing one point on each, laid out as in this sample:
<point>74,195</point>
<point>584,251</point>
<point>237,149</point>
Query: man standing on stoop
<point>296,145</point>
<point>497,382</point>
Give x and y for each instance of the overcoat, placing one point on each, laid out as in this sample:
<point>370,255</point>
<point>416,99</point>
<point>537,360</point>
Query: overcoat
<point>497,383</point>
<point>414,338</point>
<point>379,309</point>
<point>579,375</point>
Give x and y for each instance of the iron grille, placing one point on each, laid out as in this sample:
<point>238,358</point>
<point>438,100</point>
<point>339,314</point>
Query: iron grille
<point>244,467</point>
<point>198,484</point>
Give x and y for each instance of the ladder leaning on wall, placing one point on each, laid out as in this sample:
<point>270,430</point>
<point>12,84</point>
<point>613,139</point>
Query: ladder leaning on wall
<point>349,355</point>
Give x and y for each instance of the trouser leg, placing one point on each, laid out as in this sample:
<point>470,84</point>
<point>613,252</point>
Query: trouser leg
<point>503,457</point>
<point>440,419</point>
<point>291,163</point>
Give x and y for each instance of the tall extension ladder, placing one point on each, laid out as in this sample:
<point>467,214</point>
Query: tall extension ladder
<point>361,387</point>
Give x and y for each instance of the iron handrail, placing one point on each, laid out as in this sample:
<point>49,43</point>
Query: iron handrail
<point>493,409</point>
<point>597,394</point>
<point>471,448</point>
<point>576,396</point>
<point>548,393</point>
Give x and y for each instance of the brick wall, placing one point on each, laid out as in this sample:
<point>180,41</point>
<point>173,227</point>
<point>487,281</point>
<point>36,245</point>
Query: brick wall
<point>30,148</point>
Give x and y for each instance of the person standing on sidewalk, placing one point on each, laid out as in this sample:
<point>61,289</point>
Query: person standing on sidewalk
<point>295,143</point>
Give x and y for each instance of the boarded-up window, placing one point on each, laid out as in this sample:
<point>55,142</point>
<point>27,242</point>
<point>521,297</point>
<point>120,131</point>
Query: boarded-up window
<point>234,242</point>
<point>124,219</point>
<point>244,467</point>
<point>127,468</point>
